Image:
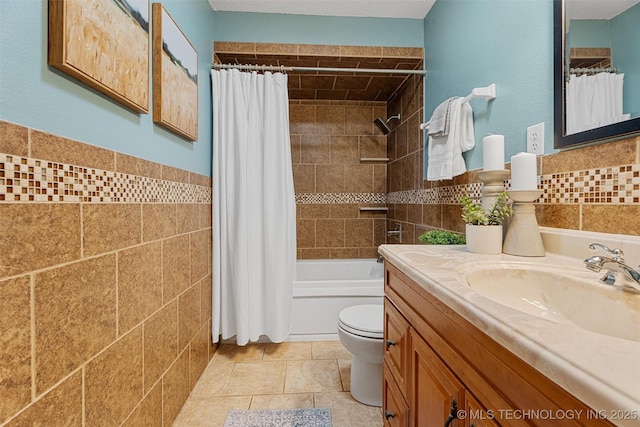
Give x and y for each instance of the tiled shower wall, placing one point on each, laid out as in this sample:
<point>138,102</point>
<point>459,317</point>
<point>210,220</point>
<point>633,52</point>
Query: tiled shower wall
<point>332,183</point>
<point>595,188</point>
<point>105,297</point>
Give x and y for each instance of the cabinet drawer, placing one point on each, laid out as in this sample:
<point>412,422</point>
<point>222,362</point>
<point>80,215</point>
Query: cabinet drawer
<point>395,409</point>
<point>396,345</point>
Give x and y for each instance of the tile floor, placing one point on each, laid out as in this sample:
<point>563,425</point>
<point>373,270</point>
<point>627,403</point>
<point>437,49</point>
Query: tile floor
<point>286,375</point>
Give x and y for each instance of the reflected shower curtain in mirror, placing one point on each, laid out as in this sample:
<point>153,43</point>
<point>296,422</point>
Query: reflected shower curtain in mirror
<point>594,101</point>
<point>254,212</point>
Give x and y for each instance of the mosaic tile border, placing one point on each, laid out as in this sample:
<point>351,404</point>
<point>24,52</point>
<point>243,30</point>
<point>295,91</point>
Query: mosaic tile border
<point>612,185</point>
<point>25,179</point>
<point>340,198</point>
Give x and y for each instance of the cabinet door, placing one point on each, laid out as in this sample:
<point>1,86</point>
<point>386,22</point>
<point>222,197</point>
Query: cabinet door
<point>394,408</point>
<point>434,389</point>
<point>396,353</point>
<point>476,415</point>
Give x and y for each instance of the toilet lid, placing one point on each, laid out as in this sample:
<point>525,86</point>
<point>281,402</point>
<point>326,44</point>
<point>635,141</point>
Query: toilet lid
<point>364,320</point>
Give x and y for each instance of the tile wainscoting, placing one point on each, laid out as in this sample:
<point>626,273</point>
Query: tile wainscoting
<point>105,283</point>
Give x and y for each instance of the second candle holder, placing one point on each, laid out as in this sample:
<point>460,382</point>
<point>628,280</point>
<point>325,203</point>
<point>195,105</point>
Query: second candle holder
<point>523,236</point>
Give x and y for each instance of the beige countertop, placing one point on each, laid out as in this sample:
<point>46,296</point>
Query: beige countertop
<point>600,370</point>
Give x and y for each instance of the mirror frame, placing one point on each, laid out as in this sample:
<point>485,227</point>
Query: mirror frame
<point>561,140</point>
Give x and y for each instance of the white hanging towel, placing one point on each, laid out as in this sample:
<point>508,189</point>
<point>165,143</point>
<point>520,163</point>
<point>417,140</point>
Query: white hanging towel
<point>445,152</point>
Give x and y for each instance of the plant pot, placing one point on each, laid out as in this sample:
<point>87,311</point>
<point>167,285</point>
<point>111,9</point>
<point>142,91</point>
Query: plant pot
<point>484,239</point>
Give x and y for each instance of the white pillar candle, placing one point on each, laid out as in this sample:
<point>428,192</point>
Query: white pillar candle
<point>493,152</point>
<point>524,175</point>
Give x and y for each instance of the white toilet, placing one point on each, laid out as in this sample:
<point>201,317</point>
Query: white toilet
<point>360,328</point>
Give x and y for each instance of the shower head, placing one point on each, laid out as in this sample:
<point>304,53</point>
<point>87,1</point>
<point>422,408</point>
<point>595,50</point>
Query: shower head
<point>382,124</point>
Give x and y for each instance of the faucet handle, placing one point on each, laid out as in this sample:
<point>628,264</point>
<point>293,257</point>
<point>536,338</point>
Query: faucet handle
<point>616,252</point>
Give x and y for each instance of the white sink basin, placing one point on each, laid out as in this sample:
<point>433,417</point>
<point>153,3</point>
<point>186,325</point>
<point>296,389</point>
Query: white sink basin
<point>560,297</point>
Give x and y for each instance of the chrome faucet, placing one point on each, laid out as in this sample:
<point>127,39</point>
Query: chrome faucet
<point>395,233</point>
<point>614,264</point>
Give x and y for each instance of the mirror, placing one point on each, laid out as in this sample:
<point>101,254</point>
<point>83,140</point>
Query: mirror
<point>615,54</point>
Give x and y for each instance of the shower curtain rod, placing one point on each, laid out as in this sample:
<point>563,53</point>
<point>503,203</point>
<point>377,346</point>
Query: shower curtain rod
<point>283,68</point>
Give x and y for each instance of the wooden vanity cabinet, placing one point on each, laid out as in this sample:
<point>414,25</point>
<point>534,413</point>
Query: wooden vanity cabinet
<point>436,356</point>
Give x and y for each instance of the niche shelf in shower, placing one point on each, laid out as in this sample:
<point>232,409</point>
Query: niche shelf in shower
<point>374,159</point>
<point>374,209</point>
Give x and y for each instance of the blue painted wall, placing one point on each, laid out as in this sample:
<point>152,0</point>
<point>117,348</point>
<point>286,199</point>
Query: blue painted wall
<point>589,33</point>
<point>306,29</point>
<point>625,35</point>
<point>35,95</point>
<point>472,43</point>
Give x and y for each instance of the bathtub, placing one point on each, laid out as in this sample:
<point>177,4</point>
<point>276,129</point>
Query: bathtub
<point>324,287</point>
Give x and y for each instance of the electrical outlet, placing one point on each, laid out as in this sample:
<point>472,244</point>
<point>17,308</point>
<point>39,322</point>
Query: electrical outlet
<point>535,139</point>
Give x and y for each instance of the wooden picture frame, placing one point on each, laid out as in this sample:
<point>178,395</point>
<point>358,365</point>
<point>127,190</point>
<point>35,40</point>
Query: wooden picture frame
<point>175,77</point>
<point>105,45</point>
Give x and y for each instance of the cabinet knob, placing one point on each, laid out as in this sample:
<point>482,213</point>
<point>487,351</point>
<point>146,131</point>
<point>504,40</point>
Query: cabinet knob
<point>390,343</point>
<point>388,415</point>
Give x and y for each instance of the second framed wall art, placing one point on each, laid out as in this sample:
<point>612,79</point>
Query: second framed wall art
<point>175,77</point>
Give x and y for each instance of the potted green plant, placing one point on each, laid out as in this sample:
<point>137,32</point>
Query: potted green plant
<point>441,237</point>
<point>484,226</point>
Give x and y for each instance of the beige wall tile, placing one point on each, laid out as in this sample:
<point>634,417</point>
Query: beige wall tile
<point>15,345</point>
<point>331,119</point>
<point>149,411</point>
<point>344,150</point>
<point>176,266</point>
<point>302,119</point>
<point>344,253</point>
<point>304,178</point>
<point>616,219</point>
<point>200,249</point>
<point>558,216</point>
<point>188,217</point>
<point>158,221</point>
<point>330,233</point>
<point>113,381</point>
<point>36,236</point>
<point>75,316</point>
<point>137,166</point>
<point>205,215</point>
<point>359,121</point>
<point>451,218</point>
<point>234,47</point>
<point>319,49</point>
<point>198,354</point>
<point>358,233</point>
<point>316,149</point>
<point>306,233</point>
<point>58,149</point>
<point>107,227</point>
<point>61,406</point>
<point>370,51</point>
<point>174,174</point>
<point>175,388</point>
<point>372,146</point>
<point>344,211</point>
<point>359,179</point>
<point>160,343</point>
<point>14,139</point>
<point>330,178</point>
<point>611,154</point>
<point>139,284</point>
<point>205,302</point>
<point>307,253</point>
<point>188,315</point>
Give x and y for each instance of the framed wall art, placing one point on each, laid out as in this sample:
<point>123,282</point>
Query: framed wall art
<point>175,77</point>
<point>105,45</point>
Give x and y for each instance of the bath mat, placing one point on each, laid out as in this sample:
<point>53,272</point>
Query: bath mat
<point>303,417</point>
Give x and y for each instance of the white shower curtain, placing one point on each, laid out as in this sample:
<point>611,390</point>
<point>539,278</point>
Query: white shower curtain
<point>254,219</point>
<point>594,101</point>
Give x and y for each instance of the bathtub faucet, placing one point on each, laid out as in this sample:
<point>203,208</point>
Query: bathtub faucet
<point>380,259</point>
<point>395,233</point>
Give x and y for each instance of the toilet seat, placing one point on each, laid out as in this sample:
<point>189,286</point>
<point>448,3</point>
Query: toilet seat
<point>363,320</point>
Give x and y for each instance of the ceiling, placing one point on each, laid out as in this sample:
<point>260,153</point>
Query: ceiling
<point>325,85</point>
<point>412,9</point>
<point>596,9</point>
